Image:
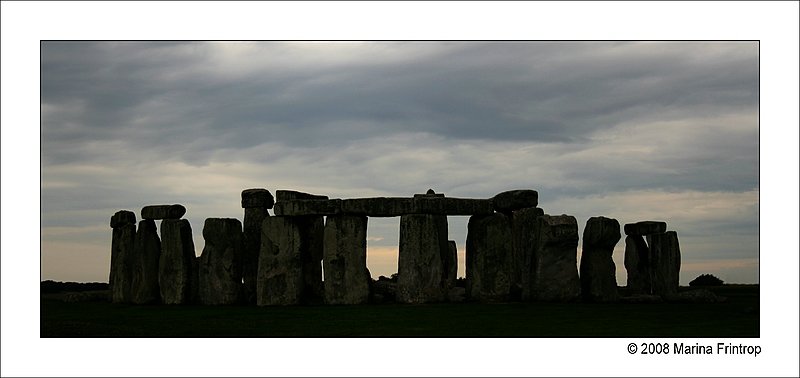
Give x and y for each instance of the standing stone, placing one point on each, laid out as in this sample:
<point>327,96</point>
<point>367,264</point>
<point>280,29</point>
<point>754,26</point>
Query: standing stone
<point>163,212</point>
<point>280,268</point>
<point>345,260</point>
<point>220,270</point>
<point>450,266</point>
<point>176,276</point>
<point>488,258</point>
<point>312,230</point>
<point>637,263</point>
<point>122,240</point>
<point>665,263</point>
<point>290,264</point>
<point>420,272</point>
<point>303,236</point>
<point>146,253</point>
<point>598,271</point>
<point>554,263</point>
<point>524,241</point>
<point>256,204</point>
<point>122,218</point>
<point>194,298</point>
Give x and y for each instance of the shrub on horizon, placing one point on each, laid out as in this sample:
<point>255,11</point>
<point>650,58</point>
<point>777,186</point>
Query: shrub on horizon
<point>706,280</point>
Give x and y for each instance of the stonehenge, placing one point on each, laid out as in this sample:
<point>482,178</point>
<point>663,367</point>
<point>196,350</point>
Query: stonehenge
<point>312,249</point>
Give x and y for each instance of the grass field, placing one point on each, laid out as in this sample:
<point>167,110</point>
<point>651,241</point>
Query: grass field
<point>738,317</point>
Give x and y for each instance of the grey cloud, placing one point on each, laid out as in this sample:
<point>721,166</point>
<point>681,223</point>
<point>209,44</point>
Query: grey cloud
<point>490,91</point>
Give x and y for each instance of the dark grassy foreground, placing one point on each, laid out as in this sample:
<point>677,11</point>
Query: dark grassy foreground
<point>738,317</point>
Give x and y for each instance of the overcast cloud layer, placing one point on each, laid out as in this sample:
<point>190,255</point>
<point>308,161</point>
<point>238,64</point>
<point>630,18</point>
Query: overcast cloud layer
<point>634,131</point>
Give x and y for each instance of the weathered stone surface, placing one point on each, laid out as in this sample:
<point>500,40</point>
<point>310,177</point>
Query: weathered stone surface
<point>488,257</point>
<point>195,297</point>
<point>302,207</point>
<point>345,260</point>
<point>220,270</point>
<point>280,268</point>
<point>163,212</point>
<point>511,200</point>
<point>554,263</point>
<point>290,195</point>
<point>524,242</point>
<point>598,271</point>
<point>146,253</point>
<point>386,206</point>
<point>120,277</point>
<point>420,272</point>
<point>290,264</point>
<point>637,264</point>
<point>176,276</point>
<point>450,265</point>
<point>312,229</point>
<point>257,198</point>
<point>379,206</point>
<point>251,241</point>
<point>123,217</point>
<point>452,206</point>
<point>645,228</point>
<point>665,262</point>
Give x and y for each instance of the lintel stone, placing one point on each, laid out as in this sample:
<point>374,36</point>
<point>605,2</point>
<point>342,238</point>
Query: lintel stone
<point>386,206</point>
<point>645,228</point>
<point>289,195</point>
<point>163,212</point>
<point>511,200</point>
<point>308,207</point>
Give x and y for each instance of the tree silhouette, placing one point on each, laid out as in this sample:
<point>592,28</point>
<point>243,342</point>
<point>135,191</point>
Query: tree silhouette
<point>706,280</point>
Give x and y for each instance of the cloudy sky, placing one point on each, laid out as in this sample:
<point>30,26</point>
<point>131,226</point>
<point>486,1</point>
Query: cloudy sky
<point>635,131</point>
